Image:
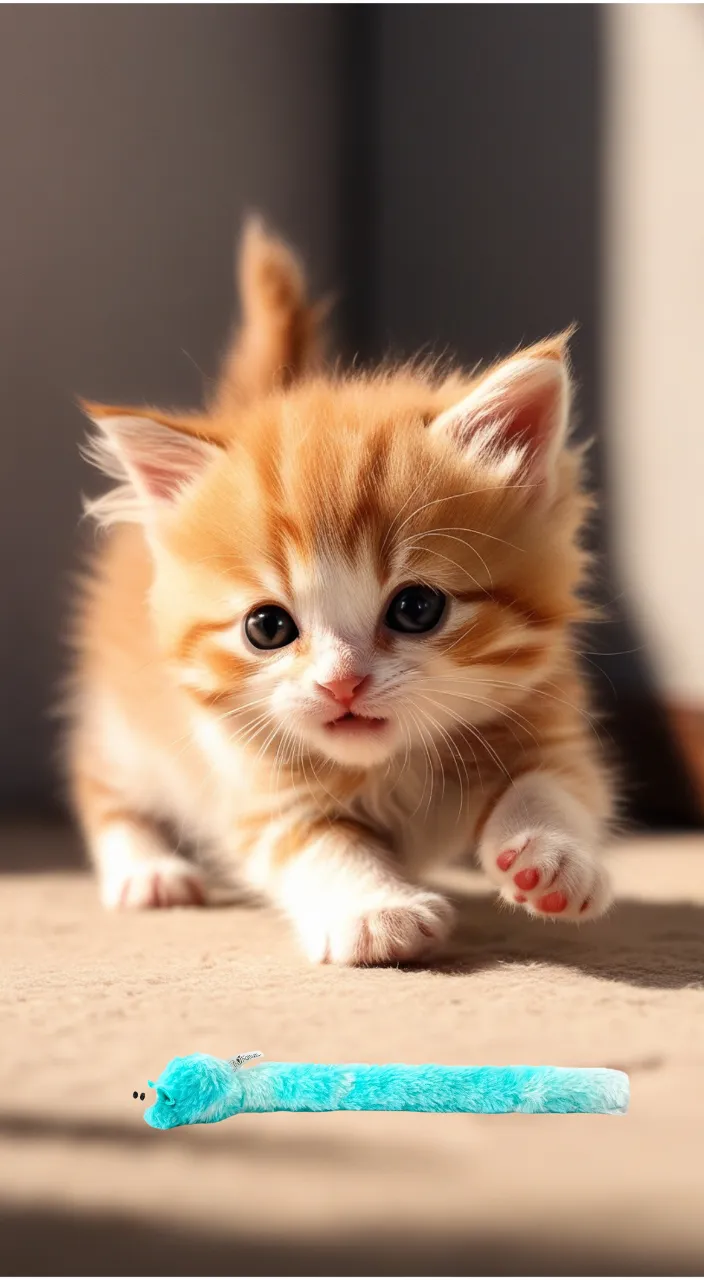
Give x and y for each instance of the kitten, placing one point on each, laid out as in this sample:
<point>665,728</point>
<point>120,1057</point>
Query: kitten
<point>330,637</point>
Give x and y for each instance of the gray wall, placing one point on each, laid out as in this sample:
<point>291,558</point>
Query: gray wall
<point>488,180</point>
<point>132,139</point>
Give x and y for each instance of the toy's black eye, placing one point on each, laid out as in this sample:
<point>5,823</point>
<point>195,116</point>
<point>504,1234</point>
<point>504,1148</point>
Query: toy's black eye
<point>270,627</point>
<point>415,609</point>
<point>141,1097</point>
<point>136,1095</point>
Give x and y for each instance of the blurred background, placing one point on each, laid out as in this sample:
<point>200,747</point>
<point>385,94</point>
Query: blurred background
<point>464,178</point>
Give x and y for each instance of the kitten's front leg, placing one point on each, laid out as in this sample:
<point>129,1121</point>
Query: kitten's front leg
<point>540,846</point>
<point>348,905</point>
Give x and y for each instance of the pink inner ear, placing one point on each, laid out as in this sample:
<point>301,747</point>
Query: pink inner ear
<point>159,459</point>
<point>159,482</point>
<point>526,406</point>
<point>519,408</point>
<point>532,417</point>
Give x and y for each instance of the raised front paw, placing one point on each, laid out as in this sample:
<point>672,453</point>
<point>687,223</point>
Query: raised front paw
<point>387,933</point>
<point>163,881</point>
<point>550,874</point>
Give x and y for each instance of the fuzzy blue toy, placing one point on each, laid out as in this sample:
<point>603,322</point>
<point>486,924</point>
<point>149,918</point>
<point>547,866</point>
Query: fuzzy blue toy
<point>201,1089</point>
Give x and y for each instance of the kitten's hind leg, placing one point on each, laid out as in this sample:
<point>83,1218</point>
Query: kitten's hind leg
<point>135,866</point>
<point>540,848</point>
<point>137,869</point>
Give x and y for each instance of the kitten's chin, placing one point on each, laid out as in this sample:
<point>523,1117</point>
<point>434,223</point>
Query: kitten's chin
<point>356,741</point>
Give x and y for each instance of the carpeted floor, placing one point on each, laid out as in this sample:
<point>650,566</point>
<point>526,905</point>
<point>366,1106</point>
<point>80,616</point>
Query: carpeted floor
<point>93,1004</point>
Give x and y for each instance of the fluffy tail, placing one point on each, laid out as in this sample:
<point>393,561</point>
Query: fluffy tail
<point>278,340</point>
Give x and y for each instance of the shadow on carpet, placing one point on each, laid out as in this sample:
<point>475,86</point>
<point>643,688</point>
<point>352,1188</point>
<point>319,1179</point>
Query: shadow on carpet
<point>44,1241</point>
<point>644,944</point>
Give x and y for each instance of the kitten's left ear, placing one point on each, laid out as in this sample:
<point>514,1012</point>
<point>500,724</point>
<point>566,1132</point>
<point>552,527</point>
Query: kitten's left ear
<point>515,420</point>
<point>157,456</point>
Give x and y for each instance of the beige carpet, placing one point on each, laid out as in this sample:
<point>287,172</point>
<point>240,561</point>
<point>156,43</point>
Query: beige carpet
<point>93,1004</point>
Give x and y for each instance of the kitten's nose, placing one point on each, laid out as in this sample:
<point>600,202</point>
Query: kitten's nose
<point>344,691</point>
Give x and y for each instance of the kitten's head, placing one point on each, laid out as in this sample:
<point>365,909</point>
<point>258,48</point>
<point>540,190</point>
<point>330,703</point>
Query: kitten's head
<point>352,566</point>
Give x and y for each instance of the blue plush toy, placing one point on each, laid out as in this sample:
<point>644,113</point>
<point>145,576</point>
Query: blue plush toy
<point>201,1089</point>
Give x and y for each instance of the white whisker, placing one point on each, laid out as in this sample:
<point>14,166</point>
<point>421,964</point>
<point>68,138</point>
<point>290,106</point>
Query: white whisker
<point>428,766</point>
<point>431,552</point>
<point>451,497</point>
<point>509,712</point>
<point>456,755</point>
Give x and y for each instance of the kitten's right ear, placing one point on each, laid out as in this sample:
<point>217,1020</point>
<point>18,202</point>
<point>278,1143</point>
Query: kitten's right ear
<point>155,457</point>
<point>515,419</point>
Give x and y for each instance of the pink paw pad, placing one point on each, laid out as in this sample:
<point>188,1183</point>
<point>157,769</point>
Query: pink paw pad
<point>506,859</point>
<point>519,897</point>
<point>526,879</point>
<point>552,903</point>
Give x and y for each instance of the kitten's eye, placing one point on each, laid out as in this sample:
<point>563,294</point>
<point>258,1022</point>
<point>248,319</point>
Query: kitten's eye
<point>415,609</point>
<point>270,627</point>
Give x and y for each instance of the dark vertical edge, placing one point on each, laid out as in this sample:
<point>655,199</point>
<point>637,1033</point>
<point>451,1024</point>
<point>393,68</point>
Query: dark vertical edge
<point>359,124</point>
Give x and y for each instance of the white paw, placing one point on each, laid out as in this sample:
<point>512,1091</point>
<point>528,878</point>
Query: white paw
<point>404,929</point>
<point>549,874</point>
<point>164,881</point>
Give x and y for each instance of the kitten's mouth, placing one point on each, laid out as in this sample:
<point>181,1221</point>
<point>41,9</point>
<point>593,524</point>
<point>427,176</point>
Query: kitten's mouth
<point>353,723</point>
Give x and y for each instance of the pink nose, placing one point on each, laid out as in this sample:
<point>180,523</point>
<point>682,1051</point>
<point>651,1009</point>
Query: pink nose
<point>346,690</point>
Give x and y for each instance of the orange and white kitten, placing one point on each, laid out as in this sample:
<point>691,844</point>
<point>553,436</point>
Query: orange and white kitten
<point>329,636</point>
